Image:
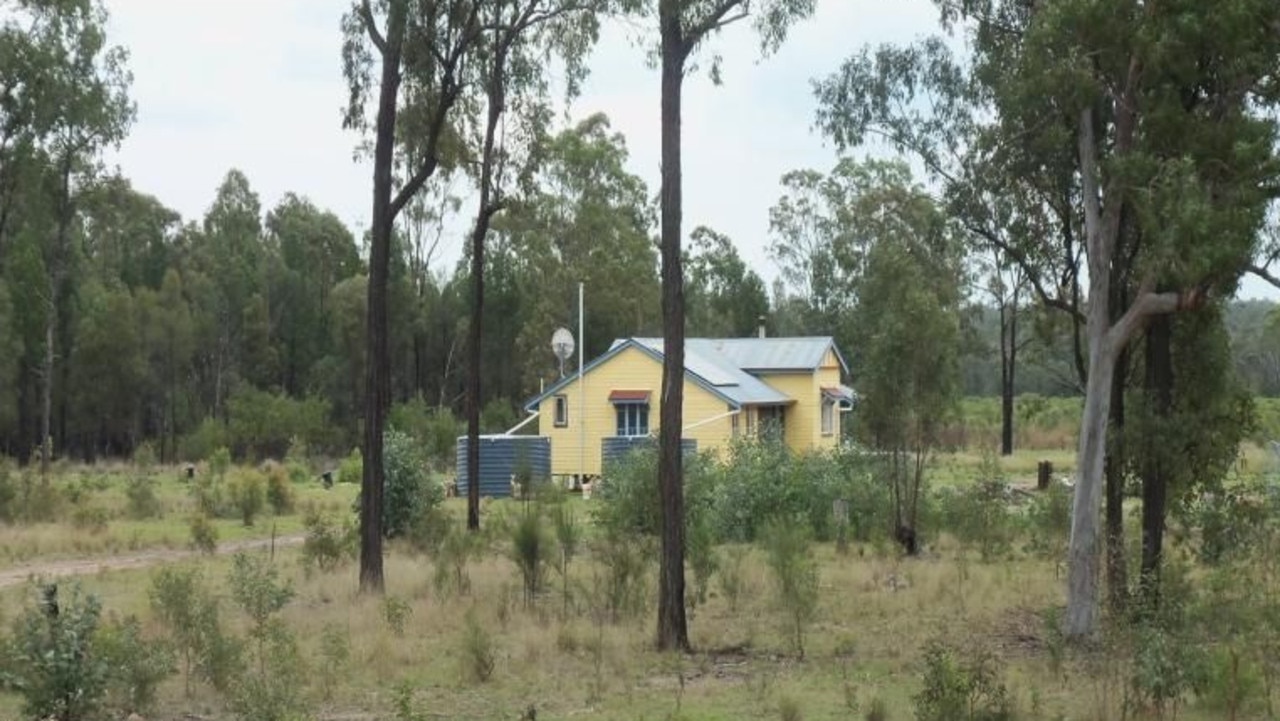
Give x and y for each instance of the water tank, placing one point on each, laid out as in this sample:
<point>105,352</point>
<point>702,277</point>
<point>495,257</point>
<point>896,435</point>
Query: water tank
<point>501,457</point>
<point>615,448</point>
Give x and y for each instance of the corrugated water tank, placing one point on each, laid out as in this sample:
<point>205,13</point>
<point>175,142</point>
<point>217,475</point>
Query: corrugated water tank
<point>500,459</point>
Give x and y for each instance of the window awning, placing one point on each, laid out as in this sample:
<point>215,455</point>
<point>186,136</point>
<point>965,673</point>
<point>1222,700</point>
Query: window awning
<point>843,395</point>
<point>629,397</point>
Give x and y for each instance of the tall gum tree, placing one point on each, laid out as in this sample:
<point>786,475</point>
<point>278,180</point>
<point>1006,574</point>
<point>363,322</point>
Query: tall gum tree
<point>683,26</point>
<point>1166,109</point>
<point>418,55</point>
<point>519,40</point>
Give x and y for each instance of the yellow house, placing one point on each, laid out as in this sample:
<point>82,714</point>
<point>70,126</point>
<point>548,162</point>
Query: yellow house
<point>732,387</point>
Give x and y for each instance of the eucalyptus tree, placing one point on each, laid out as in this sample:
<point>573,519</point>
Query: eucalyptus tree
<point>1161,116</point>
<point>683,27</point>
<point>83,109</point>
<point>723,296</point>
<point>520,39</point>
<point>423,51</point>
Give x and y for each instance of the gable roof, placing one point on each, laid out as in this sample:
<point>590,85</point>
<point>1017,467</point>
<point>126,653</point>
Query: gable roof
<point>778,354</point>
<point>723,366</point>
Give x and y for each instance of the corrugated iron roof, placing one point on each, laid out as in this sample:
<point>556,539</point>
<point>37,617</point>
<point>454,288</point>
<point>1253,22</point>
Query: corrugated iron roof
<point>702,358</point>
<point>776,354</point>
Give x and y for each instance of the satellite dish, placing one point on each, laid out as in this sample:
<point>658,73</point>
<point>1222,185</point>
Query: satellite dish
<point>562,345</point>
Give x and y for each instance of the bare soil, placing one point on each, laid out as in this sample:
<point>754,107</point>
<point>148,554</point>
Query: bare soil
<point>143,559</point>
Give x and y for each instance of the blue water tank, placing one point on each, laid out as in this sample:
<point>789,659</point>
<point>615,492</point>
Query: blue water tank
<point>615,448</point>
<point>500,459</point>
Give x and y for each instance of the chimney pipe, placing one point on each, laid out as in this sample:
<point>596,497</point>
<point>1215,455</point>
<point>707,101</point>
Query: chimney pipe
<point>762,333</point>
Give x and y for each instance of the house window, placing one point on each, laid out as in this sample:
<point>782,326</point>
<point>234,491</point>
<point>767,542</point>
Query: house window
<point>733,422</point>
<point>562,411</point>
<point>633,419</point>
<point>772,424</point>
<point>828,417</point>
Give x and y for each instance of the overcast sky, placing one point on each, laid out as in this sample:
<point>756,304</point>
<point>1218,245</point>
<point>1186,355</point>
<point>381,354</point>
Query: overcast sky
<point>257,85</point>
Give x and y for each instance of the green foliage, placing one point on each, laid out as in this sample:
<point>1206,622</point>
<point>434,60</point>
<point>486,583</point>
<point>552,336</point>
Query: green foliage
<point>257,588</point>
<point>280,490</point>
<point>732,575</point>
<point>204,535</point>
<point>276,689</point>
<point>186,608</point>
<point>9,490</point>
<point>329,542</point>
<point>69,666</point>
<point>93,519</point>
<point>961,686</point>
<point>621,582</point>
<point>247,493</point>
<point>410,493</point>
<point>205,441</point>
<point>219,463</point>
<point>479,651</point>
<point>335,655</point>
<point>530,547</point>
<point>979,515</point>
<point>1049,521</point>
<point>54,661</point>
<point>137,665</point>
<point>568,534</point>
<point>795,577</point>
<point>456,549</point>
<point>396,612</point>
<point>143,502</point>
<point>264,425</point>
<point>435,429</point>
<point>144,456</point>
<point>351,470</point>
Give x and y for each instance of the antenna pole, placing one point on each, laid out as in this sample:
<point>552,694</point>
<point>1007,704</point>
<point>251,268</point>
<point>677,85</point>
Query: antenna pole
<point>582,395</point>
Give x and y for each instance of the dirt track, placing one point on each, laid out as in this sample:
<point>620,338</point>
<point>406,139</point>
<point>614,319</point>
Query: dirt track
<point>84,566</point>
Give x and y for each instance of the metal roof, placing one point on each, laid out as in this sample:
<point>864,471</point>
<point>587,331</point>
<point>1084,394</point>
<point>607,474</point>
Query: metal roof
<point>777,354</point>
<point>702,358</point>
<point>724,366</point>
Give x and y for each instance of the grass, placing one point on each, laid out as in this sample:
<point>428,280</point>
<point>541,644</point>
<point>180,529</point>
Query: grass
<point>876,613</point>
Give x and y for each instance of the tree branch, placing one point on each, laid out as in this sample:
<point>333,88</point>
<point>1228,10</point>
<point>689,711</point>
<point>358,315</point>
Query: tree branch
<point>371,26</point>
<point>1263,273</point>
<point>1148,304</point>
<point>716,19</point>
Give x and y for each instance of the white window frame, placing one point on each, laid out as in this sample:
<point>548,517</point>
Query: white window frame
<point>562,411</point>
<point>631,422</point>
<point>828,416</point>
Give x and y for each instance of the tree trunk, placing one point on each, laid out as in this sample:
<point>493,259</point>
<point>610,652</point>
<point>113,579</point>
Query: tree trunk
<point>1117,576</point>
<point>673,632</point>
<point>46,371</point>
<point>487,210</point>
<point>1008,361</point>
<point>1155,479</point>
<point>377,397</point>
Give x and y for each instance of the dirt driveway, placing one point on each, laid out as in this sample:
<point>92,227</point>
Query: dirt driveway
<point>143,559</point>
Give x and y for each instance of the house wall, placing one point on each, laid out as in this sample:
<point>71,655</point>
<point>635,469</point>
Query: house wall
<point>827,376</point>
<point>631,369</point>
<point>801,416</point>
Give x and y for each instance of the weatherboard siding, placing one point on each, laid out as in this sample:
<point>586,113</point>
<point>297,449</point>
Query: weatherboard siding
<point>632,370</point>
<point>802,420</point>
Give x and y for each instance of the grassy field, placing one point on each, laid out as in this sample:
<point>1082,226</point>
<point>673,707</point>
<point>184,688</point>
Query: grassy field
<point>414,655</point>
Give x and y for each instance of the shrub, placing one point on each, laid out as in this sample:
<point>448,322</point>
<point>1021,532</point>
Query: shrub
<point>90,518</point>
<point>66,665</point>
<point>1049,521</point>
<point>144,456</point>
<point>54,660</point>
<point>453,555</point>
<point>143,502</point>
<point>248,495</point>
<point>203,442</point>
<point>961,687</point>
<point>328,543</point>
<point>409,491</point>
<point>180,601</point>
<point>979,515</point>
<point>8,491</point>
<point>621,588</point>
<point>137,665</point>
<point>435,429</point>
<point>732,577</point>
<point>220,463</point>
<point>568,536</point>
<point>795,576</point>
<point>40,501</point>
<point>351,469</point>
<point>396,612</point>
<point>273,688</point>
<point>479,653</point>
<point>529,545</point>
<point>279,490</point>
<point>335,651</point>
<point>204,535</point>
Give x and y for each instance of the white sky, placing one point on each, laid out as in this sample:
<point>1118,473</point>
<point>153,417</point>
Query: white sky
<point>257,85</point>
